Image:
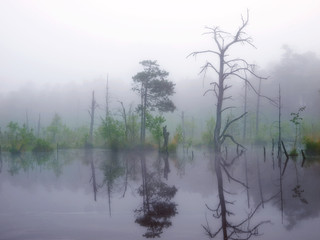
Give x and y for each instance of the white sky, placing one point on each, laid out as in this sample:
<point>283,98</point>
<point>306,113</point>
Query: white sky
<point>56,41</point>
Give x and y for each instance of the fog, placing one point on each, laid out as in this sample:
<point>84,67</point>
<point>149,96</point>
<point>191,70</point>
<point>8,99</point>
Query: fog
<point>66,154</point>
<point>58,42</point>
<point>55,53</point>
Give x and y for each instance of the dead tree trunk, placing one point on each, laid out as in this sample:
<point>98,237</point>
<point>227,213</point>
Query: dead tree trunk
<point>258,109</point>
<point>226,69</point>
<point>279,128</point>
<point>89,157</point>
<point>247,180</point>
<point>91,112</point>
<point>107,97</point>
<point>259,182</point>
<point>244,133</point>
<point>144,92</point>
<point>38,126</point>
<point>124,116</point>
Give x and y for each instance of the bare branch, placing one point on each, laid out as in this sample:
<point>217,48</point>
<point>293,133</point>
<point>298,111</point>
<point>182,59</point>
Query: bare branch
<point>229,123</point>
<point>226,108</point>
<point>255,210</point>
<point>251,86</point>
<point>209,65</point>
<point>238,36</point>
<point>205,51</point>
<point>216,212</point>
<point>227,87</point>
<point>234,159</point>
<point>232,139</point>
<point>209,90</point>
<point>232,178</point>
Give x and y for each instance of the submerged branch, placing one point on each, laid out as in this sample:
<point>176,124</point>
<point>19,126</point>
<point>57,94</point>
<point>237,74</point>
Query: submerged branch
<point>234,159</point>
<point>232,139</point>
<point>232,178</point>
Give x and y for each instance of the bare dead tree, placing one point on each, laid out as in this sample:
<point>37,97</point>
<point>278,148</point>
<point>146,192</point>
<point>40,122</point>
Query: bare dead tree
<point>124,116</point>
<point>244,133</point>
<point>91,113</point>
<point>38,126</point>
<point>89,158</point>
<point>246,176</point>
<point>259,181</point>
<point>107,97</point>
<point>258,108</point>
<point>226,69</point>
<point>279,127</point>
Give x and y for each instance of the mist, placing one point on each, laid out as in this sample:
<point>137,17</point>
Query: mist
<point>169,120</point>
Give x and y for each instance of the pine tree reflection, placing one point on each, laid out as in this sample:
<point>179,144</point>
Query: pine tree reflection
<point>157,207</point>
<point>166,169</point>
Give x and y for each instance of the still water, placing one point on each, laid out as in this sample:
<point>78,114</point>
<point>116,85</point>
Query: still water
<point>98,194</point>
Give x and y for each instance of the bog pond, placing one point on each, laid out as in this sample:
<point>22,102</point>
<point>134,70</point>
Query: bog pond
<point>99,194</point>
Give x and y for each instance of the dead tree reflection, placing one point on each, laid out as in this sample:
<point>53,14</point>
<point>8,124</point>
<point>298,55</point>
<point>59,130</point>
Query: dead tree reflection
<point>157,207</point>
<point>112,169</point>
<point>90,160</point>
<point>247,179</point>
<point>131,167</point>
<point>259,182</point>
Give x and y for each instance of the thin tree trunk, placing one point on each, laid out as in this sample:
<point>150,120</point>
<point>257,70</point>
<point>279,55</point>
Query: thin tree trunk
<point>281,189</point>
<point>221,196</point>
<point>279,127</point>
<point>107,97</point>
<point>93,106</point>
<point>142,116</point>
<point>258,108</point>
<point>217,151</point>
<point>27,121</point>
<point>259,182</point>
<point>109,196</point>
<point>93,172</point>
<point>38,127</point>
<point>126,177</point>
<point>247,181</point>
<point>183,131</point>
<point>124,114</point>
<point>244,134</point>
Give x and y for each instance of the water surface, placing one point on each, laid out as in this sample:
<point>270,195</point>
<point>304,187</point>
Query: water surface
<point>98,194</point>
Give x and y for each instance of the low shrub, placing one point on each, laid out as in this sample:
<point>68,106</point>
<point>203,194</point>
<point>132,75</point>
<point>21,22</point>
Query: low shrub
<point>312,146</point>
<point>42,145</point>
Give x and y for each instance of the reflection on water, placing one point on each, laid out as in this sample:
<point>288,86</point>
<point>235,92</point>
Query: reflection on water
<point>156,208</point>
<point>112,169</point>
<point>99,194</point>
